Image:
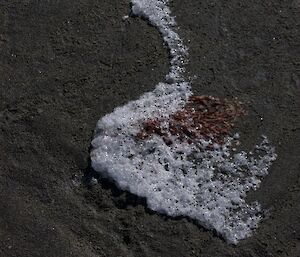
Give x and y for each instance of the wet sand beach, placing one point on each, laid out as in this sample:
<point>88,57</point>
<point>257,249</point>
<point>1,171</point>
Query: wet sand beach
<point>64,64</point>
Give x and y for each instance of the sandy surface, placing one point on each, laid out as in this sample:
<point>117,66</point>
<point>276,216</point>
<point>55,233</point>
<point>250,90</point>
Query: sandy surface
<point>64,64</point>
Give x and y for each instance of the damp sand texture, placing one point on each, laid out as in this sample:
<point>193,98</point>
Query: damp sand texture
<point>64,65</point>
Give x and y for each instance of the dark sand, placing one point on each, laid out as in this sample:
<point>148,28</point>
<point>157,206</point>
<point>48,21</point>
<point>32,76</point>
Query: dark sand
<point>65,63</point>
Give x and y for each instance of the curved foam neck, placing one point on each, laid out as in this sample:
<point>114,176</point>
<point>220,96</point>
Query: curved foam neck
<point>159,15</point>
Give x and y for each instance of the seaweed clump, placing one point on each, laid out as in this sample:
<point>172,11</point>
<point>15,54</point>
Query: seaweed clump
<point>203,117</point>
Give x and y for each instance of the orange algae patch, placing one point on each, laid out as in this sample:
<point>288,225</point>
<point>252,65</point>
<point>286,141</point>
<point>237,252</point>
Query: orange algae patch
<point>205,117</point>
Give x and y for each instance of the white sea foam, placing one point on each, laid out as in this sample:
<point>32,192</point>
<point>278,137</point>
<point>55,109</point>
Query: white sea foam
<point>159,15</point>
<point>208,185</point>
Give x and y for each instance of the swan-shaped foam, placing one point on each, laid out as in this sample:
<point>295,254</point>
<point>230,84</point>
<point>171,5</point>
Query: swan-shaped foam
<point>181,179</point>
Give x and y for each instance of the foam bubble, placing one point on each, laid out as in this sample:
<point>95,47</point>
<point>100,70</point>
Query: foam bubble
<point>190,179</point>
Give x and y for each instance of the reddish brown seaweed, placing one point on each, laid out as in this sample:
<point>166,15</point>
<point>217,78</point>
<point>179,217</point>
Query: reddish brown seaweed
<point>202,117</point>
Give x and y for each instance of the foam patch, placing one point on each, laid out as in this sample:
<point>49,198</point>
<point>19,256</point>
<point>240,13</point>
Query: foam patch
<point>203,180</point>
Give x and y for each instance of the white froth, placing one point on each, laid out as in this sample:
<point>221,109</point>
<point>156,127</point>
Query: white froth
<point>159,15</point>
<point>208,185</point>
